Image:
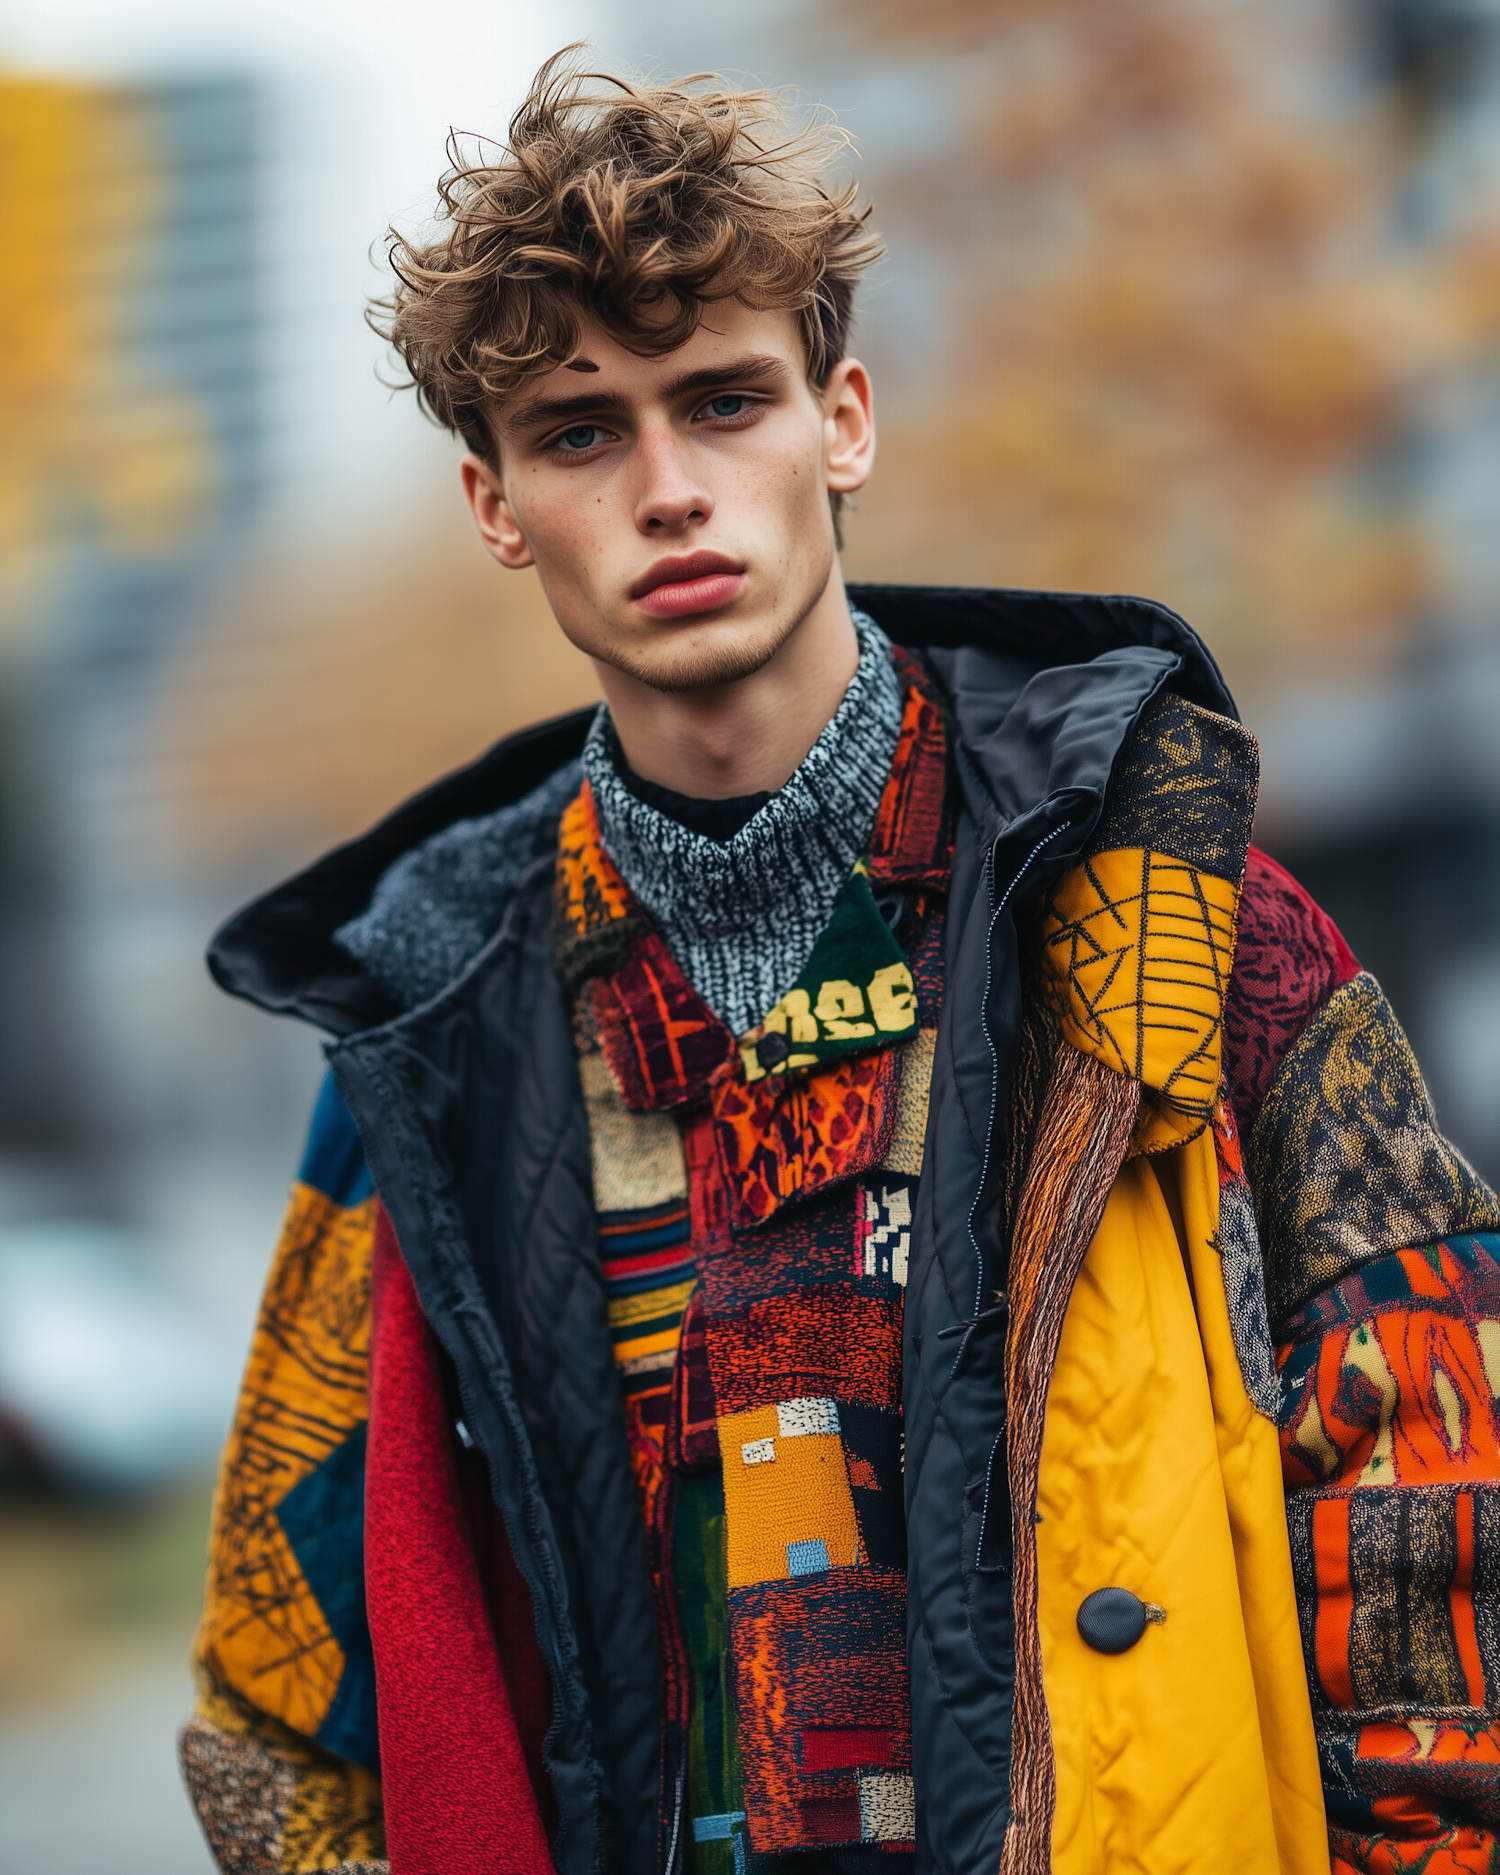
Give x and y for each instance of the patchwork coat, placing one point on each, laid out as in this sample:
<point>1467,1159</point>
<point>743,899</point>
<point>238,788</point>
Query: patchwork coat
<point>1200,1355</point>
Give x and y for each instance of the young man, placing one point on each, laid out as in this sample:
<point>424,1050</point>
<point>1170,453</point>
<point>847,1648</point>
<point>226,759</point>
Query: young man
<point>870,1283</point>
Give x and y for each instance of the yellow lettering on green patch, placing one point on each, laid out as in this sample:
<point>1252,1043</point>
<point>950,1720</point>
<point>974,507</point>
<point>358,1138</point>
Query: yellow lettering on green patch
<point>893,999</point>
<point>839,1004</point>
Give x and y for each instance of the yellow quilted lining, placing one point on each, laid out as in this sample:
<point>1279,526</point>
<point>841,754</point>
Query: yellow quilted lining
<point>1194,1750</point>
<point>1136,954</point>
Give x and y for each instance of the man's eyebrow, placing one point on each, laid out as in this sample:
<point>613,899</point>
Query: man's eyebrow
<point>554,409</point>
<point>754,368</point>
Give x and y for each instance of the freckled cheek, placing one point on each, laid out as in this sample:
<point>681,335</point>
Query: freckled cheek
<point>574,538</point>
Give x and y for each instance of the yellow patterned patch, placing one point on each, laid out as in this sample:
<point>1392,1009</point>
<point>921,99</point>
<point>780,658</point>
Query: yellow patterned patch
<point>305,1390</point>
<point>1136,951</point>
<point>257,1784</point>
<point>909,1140</point>
<point>789,1508</point>
<point>336,1817</point>
<point>589,890</point>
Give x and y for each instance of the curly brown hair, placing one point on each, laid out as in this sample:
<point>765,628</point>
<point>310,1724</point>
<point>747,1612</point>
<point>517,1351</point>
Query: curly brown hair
<point>637,204</point>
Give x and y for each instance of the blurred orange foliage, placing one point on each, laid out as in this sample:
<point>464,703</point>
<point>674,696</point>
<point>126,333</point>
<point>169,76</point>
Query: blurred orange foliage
<point>325,690</point>
<point>1187,337</point>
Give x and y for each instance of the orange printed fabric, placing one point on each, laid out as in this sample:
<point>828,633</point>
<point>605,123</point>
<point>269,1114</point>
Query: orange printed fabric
<point>912,844</point>
<point>266,1635</point>
<point>1391,1454</point>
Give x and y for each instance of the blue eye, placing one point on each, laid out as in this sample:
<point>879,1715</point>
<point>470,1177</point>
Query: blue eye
<point>727,406</point>
<point>582,436</point>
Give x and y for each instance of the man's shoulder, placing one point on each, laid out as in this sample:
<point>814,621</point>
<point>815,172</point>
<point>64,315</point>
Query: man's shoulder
<point>436,906</point>
<point>285,950</point>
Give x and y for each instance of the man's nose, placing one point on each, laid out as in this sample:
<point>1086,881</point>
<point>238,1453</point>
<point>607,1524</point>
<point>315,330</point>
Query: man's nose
<point>672,498</point>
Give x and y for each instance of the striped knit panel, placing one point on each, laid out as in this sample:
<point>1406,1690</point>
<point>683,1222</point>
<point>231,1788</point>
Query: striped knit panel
<point>641,1202</point>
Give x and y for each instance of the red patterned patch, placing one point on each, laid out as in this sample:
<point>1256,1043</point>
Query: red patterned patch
<point>787,1137</point>
<point>820,1656</point>
<point>1289,958</point>
<point>662,1041</point>
<point>821,1343</point>
<point>913,839</point>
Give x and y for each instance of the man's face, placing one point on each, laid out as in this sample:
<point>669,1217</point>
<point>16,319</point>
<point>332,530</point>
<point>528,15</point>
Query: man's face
<point>677,508</point>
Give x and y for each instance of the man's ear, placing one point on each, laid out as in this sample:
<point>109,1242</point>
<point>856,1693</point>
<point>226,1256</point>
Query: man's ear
<point>497,524</point>
<point>848,426</point>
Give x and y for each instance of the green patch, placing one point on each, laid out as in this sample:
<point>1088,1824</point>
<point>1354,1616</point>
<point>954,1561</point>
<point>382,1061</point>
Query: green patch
<point>714,1789</point>
<point>855,992</point>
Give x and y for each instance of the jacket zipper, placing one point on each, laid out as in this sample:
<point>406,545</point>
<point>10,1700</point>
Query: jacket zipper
<point>538,1549</point>
<point>675,1840</point>
<point>989,1136</point>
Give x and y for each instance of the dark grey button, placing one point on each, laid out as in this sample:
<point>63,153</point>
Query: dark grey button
<point>771,1051</point>
<point>1112,1620</point>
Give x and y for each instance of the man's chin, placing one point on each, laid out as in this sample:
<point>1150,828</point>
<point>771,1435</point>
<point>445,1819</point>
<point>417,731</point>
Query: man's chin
<point>685,660</point>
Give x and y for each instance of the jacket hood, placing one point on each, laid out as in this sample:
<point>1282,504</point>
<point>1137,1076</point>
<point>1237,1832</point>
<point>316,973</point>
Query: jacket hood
<point>1042,689</point>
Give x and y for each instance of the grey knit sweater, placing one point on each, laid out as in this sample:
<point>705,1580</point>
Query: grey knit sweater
<point>740,917</point>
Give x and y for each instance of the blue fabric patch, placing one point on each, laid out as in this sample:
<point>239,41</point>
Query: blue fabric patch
<point>334,1162</point>
<point>351,1728</point>
<point>1386,1281</point>
<point>716,1828</point>
<point>809,1558</point>
<point>323,1519</point>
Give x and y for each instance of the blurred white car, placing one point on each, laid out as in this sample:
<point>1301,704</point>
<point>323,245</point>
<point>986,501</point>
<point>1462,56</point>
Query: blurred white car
<point>109,1380</point>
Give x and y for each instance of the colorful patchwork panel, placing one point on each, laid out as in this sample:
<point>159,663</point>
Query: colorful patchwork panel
<point>1391,1451</point>
<point>645,1245</point>
<point>282,1753</point>
<point>1345,1159</point>
<point>755,1258</point>
<point>283,1623</point>
<point>802,1335</point>
<point>824,1730</point>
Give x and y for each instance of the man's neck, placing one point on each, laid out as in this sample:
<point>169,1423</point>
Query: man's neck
<point>747,736</point>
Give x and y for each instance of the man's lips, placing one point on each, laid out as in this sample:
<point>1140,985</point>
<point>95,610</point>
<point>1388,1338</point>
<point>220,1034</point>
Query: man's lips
<point>688,583</point>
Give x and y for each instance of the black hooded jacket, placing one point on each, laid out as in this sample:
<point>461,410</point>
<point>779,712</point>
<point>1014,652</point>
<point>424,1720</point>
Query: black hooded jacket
<point>473,1123</point>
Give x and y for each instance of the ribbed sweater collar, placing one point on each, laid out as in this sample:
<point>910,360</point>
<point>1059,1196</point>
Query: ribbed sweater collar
<point>742,917</point>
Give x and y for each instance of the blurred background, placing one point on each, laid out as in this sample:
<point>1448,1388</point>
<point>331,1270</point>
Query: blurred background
<point>1193,298</point>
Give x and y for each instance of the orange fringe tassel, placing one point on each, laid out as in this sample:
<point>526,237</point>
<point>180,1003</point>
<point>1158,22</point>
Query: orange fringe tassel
<point>1082,1136</point>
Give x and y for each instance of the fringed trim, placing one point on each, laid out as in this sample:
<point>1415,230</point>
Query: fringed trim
<point>1036,1049</point>
<point>1082,1136</point>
